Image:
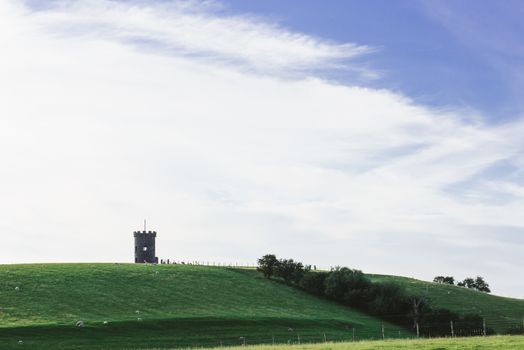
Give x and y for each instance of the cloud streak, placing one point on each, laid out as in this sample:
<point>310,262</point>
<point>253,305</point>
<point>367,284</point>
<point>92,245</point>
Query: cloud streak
<point>97,131</point>
<point>197,29</point>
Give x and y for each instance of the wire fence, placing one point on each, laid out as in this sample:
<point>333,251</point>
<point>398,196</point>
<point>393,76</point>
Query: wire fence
<point>217,336</point>
<point>207,263</point>
<point>297,338</point>
<point>168,261</point>
<point>291,338</point>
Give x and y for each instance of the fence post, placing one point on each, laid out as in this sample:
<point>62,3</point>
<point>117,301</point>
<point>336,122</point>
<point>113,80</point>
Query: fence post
<point>273,336</point>
<point>353,334</point>
<point>418,330</point>
<point>484,327</point>
<point>452,330</point>
<point>325,338</point>
<point>298,337</point>
<point>383,335</point>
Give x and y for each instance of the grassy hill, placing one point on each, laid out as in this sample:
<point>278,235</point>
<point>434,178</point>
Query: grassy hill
<point>167,306</point>
<point>500,313</point>
<point>164,305</point>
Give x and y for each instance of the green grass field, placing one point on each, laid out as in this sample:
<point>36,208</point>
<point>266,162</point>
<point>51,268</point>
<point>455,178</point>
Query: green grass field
<point>178,306</point>
<point>139,306</point>
<point>477,343</point>
<point>500,313</point>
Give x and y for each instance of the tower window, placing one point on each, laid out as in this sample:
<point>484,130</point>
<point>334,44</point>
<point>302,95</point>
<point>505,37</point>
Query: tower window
<point>144,249</point>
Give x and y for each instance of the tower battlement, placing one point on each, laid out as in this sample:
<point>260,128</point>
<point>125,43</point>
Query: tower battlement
<point>144,233</point>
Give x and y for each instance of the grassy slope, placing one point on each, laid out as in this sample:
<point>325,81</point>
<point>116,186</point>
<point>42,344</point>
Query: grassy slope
<point>500,313</point>
<point>478,343</point>
<point>192,306</point>
<point>178,305</point>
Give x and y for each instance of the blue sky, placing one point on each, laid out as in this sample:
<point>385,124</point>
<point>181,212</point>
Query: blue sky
<point>381,135</point>
<point>441,53</point>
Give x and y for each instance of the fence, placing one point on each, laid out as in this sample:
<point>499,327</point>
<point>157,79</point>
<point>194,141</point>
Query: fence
<point>224,264</point>
<point>296,337</point>
<point>206,263</point>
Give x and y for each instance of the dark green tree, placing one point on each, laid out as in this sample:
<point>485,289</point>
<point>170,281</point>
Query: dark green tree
<point>449,280</point>
<point>418,309</point>
<point>313,282</point>
<point>444,280</point>
<point>289,270</point>
<point>349,286</point>
<point>478,283</point>
<point>468,283</point>
<point>481,285</point>
<point>267,265</point>
<point>389,299</point>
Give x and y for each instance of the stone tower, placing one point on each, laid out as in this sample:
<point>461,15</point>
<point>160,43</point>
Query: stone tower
<point>145,247</point>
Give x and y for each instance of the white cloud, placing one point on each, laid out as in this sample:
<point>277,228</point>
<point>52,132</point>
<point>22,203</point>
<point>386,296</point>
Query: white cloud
<point>194,28</point>
<point>97,132</point>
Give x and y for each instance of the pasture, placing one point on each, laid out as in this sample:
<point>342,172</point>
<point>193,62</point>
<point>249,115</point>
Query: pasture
<point>135,305</point>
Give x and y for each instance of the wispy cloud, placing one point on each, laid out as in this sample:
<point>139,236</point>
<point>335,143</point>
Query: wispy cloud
<point>97,132</point>
<point>196,28</point>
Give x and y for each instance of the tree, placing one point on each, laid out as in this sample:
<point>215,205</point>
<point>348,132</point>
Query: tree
<point>337,281</point>
<point>449,280</point>
<point>438,279</point>
<point>314,282</point>
<point>444,280</point>
<point>390,301</point>
<point>468,283</point>
<point>267,265</point>
<point>477,284</point>
<point>349,286</point>
<point>289,270</point>
<point>418,308</point>
<point>481,285</point>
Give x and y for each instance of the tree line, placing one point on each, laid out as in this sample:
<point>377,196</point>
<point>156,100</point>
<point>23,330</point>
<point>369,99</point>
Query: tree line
<point>386,300</point>
<point>478,283</point>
